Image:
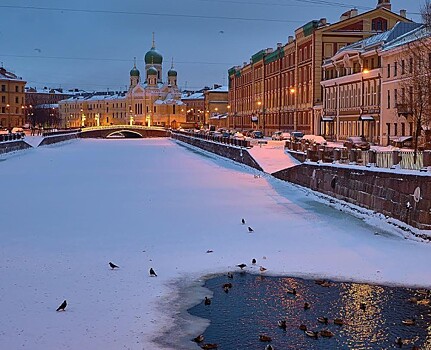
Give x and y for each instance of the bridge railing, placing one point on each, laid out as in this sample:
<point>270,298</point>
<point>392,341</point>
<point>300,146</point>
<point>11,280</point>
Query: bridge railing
<point>125,126</point>
<point>12,137</point>
<point>225,140</point>
<point>60,132</point>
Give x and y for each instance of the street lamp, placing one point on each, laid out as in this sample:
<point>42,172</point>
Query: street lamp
<point>97,117</point>
<point>83,118</point>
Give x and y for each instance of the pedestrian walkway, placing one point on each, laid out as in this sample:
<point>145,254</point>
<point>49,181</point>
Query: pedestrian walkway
<point>271,156</point>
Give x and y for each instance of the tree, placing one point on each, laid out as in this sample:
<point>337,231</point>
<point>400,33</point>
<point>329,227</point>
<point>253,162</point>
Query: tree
<point>415,88</point>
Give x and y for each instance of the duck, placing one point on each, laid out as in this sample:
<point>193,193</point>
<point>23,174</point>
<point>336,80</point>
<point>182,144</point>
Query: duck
<point>207,301</point>
<point>423,302</point>
<point>241,266</point>
<point>325,284</point>
<point>306,306</point>
<point>423,292</point>
<point>409,322</point>
<point>264,337</point>
<point>323,320</point>
<point>262,269</point>
<point>399,342</point>
<point>282,324</point>
<point>226,289</point>
<point>199,339</point>
<point>227,285</point>
<point>412,300</point>
<point>291,291</point>
<point>253,261</point>
<point>338,321</point>
<point>326,334</point>
<point>303,327</point>
<point>209,346</point>
<point>269,347</point>
<point>229,275</point>
<point>311,334</point>
<point>319,282</point>
<point>363,306</point>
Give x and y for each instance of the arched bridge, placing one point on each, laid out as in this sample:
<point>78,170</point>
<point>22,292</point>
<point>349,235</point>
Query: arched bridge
<point>123,131</point>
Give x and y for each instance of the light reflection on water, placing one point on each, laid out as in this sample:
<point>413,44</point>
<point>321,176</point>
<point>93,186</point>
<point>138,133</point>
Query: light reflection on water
<point>255,304</point>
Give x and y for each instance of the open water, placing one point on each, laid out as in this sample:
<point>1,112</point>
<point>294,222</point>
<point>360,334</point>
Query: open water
<point>255,304</point>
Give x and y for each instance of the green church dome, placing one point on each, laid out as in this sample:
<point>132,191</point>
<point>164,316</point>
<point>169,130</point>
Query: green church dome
<point>153,57</point>
<point>135,72</point>
<point>172,73</point>
<point>152,71</point>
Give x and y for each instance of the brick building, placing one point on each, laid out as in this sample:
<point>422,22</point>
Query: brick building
<point>12,100</point>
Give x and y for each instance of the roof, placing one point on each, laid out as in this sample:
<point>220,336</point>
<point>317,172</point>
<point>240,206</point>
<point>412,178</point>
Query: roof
<point>195,96</point>
<point>5,75</point>
<point>220,89</point>
<point>418,33</point>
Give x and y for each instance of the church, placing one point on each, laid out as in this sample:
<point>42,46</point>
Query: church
<point>148,101</point>
<point>152,101</point>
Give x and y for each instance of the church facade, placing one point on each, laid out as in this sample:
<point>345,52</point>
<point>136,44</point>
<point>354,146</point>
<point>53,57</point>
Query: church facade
<point>149,101</point>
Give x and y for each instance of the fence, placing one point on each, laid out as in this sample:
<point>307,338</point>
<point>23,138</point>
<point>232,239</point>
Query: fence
<point>60,132</point>
<point>12,137</point>
<point>385,159</point>
<point>219,139</point>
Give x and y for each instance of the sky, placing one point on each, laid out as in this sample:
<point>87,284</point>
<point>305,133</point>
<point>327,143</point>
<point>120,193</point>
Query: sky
<point>91,45</point>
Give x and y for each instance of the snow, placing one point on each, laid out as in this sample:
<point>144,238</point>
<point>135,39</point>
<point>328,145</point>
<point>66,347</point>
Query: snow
<point>68,209</point>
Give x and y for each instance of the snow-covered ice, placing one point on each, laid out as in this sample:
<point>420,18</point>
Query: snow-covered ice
<point>69,209</point>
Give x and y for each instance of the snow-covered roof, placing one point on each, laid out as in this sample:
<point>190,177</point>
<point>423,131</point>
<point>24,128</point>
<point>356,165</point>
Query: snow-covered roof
<point>5,75</point>
<point>411,36</point>
<point>220,89</point>
<point>48,106</point>
<point>195,96</point>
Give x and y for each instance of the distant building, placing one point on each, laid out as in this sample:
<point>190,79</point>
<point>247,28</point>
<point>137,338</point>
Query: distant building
<point>279,89</point>
<point>217,107</point>
<point>195,106</point>
<point>12,100</point>
<point>150,102</point>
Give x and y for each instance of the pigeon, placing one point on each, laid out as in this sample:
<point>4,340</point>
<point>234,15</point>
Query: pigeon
<point>253,261</point>
<point>152,272</point>
<point>62,307</point>
<point>243,221</point>
<point>262,269</point>
<point>199,339</point>
<point>113,266</point>
<point>241,266</point>
<point>250,229</point>
<point>207,301</point>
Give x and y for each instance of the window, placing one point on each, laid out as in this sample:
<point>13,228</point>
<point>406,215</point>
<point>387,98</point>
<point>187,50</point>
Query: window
<point>16,88</point>
<point>3,88</point>
<point>395,98</point>
<point>3,99</point>
<point>389,99</point>
<point>16,100</point>
<point>395,129</point>
<point>389,70</point>
<point>395,69</point>
<point>403,67</point>
<point>411,65</point>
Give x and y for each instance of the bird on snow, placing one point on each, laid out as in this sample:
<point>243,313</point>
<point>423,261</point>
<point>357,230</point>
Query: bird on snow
<point>199,339</point>
<point>243,221</point>
<point>241,266</point>
<point>262,269</point>
<point>207,301</point>
<point>62,307</point>
<point>250,229</point>
<point>229,275</point>
<point>253,261</point>
<point>113,266</point>
<point>152,272</point>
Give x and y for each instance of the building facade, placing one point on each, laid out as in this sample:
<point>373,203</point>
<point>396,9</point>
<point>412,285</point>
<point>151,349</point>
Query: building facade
<point>12,100</point>
<point>217,107</point>
<point>352,88</point>
<point>148,101</point>
<point>280,89</point>
<point>195,105</point>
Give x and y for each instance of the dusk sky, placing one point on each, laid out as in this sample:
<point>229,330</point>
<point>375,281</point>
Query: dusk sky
<point>91,44</point>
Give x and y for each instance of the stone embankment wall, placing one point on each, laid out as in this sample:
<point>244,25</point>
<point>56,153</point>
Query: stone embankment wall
<point>12,146</point>
<point>235,153</point>
<point>386,192</point>
<point>48,140</point>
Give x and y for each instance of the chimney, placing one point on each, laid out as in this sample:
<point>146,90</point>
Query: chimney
<point>345,15</point>
<point>323,22</point>
<point>290,39</point>
<point>403,13</point>
<point>269,50</point>
<point>353,12</point>
<point>279,45</point>
<point>384,4</point>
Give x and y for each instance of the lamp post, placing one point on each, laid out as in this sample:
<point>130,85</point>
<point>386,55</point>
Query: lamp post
<point>8,116</point>
<point>97,117</point>
<point>83,118</point>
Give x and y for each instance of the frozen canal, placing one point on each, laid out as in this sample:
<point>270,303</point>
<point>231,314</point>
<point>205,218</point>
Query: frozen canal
<point>69,209</point>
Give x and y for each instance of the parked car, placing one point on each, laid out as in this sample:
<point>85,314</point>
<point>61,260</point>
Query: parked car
<point>402,141</point>
<point>280,135</point>
<point>257,134</point>
<point>357,142</point>
<point>315,139</point>
<point>296,135</point>
<point>16,129</point>
<point>239,136</point>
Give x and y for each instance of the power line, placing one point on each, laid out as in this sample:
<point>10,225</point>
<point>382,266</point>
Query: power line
<point>105,59</point>
<point>148,14</point>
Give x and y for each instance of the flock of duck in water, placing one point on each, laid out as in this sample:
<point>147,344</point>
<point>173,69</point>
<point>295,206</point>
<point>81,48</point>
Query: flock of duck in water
<point>324,333</point>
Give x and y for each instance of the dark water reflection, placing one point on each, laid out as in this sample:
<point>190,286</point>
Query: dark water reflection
<point>255,304</point>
